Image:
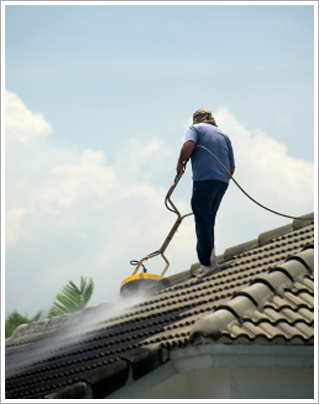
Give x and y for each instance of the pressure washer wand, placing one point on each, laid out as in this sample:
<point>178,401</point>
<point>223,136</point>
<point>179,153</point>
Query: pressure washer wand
<point>172,208</point>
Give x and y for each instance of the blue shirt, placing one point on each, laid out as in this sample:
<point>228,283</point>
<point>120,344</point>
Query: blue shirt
<point>204,166</point>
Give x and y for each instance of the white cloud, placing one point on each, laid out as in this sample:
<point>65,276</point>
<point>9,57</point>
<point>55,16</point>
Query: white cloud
<point>67,185</point>
<point>22,124</point>
<point>14,230</point>
<point>134,160</point>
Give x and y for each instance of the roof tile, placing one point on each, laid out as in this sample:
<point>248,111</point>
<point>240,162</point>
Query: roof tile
<point>106,379</point>
<point>257,292</point>
<point>306,257</point>
<point>306,330</point>
<point>307,314</point>
<point>230,253</point>
<point>265,238</point>
<point>298,301</point>
<point>142,360</point>
<point>276,281</point>
<point>298,224</point>
<point>212,324</point>
<point>293,269</point>
<point>308,282</point>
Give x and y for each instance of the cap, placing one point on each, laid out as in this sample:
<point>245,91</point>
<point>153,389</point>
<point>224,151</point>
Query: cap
<point>203,115</point>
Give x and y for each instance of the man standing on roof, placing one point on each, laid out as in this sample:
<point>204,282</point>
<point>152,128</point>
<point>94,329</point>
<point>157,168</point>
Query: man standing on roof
<point>210,181</point>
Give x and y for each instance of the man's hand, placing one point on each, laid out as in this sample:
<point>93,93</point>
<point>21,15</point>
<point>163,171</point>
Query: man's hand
<point>185,154</point>
<point>180,165</point>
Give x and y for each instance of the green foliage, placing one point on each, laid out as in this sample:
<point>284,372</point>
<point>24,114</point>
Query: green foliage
<point>69,300</point>
<point>72,298</point>
<point>15,319</point>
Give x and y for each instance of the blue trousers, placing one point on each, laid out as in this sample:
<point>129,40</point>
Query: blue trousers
<point>206,198</point>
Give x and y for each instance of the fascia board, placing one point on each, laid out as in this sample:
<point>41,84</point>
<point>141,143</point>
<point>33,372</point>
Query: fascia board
<point>237,356</point>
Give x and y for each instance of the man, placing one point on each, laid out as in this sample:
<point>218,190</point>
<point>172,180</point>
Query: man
<point>210,181</point>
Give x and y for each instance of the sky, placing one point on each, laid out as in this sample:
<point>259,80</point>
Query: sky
<point>97,102</point>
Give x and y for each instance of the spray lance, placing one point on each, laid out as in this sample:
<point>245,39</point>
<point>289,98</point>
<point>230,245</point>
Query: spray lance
<point>136,279</point>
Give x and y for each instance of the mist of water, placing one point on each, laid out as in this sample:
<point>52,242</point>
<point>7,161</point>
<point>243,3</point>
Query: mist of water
<point>76,329</point>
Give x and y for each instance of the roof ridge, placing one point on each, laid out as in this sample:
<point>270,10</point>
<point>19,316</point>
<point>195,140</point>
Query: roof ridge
<point>266,237</point>
<point>253,297</point>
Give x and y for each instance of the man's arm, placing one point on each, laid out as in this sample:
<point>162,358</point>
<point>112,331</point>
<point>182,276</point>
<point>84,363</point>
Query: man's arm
<point>232,170</point>
<point>185,154</point>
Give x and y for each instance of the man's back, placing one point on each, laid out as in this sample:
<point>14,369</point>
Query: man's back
<point>205,167</point>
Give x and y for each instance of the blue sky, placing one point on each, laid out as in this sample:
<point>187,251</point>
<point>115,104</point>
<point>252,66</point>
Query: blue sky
<point>98,99</point>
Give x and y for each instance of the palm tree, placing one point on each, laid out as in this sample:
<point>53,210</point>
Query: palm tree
<point>72,298</point>
<point>15,319</point>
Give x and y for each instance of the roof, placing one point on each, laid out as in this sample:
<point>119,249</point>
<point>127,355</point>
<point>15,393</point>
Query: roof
<point>263,295</point>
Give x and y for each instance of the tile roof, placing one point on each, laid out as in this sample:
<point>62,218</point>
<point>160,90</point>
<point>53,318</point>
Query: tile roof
<point>263,295</point>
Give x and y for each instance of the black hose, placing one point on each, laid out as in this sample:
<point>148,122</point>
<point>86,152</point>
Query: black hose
<point>248,196</point>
